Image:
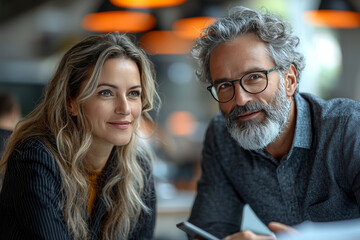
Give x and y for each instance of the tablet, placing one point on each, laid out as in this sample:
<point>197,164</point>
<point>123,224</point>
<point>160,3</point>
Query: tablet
<point>195,232</point>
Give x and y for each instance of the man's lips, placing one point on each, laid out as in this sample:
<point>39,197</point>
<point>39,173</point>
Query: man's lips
<point>248,115</point>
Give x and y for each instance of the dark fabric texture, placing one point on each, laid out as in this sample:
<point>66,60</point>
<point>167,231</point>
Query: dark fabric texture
<point>4,136</point>
<point>31,196</point>
<point>318,180</point>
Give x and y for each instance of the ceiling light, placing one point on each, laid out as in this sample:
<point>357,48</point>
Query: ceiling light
<point>164,42</point>
<point>122,21</point>
<point>191,28</point>
<point>334,13</point>
<point>146,3</point>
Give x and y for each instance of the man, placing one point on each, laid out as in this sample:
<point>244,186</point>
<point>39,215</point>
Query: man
<point>291,156</point>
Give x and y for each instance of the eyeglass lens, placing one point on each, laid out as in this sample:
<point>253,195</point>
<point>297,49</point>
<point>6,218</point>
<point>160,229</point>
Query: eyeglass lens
<point>252,82</point>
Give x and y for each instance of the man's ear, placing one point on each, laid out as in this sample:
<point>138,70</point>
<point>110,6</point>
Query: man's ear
<point>290,80</point>
<point>73,107</point>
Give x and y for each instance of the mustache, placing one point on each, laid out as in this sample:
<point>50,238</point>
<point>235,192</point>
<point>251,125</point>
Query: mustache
<point>249,107</point>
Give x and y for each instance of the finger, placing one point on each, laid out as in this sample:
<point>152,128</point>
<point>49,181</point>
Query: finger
<point>280,227</point>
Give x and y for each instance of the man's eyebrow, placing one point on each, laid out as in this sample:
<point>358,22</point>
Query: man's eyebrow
<point>251,70</point>
<point>221,80</point>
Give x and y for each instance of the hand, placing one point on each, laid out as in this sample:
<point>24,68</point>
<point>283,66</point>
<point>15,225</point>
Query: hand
<point>277,227</point>
<point>249,235</point>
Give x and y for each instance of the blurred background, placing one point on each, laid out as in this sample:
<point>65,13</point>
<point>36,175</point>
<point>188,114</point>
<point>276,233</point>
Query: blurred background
<point>34,34</point>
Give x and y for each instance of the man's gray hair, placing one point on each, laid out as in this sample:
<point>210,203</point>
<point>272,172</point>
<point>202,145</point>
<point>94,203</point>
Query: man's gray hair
<point>269,28</point>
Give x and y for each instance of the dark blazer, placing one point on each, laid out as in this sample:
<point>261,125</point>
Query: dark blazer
<point>31,196</point>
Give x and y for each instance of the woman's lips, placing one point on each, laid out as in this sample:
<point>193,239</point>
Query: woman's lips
<point>248,115</point>
<point>121,125</point>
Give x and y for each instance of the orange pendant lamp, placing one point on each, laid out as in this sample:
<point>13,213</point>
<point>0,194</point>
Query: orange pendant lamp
<point>109,18</point>
<point>335,14</point>
<point>165,43</point>
<point>146,3</point>
<point>122,21</point>
<point>178,41</point>
<point>192,27</point>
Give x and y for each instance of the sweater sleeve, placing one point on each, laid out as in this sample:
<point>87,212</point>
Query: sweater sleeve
<point>217,208</point>
<point>31,196</point>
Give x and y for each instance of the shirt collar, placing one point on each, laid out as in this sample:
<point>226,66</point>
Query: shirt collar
<point>303,133</point>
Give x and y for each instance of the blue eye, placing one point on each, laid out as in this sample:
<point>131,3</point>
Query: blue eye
<point>134,94</point>
<point>105,93</point>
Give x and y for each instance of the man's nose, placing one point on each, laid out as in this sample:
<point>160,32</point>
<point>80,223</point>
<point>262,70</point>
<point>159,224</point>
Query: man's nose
<point>241,96</point>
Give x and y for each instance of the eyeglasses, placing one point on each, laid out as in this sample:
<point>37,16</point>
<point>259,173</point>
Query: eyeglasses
<point>252,82</point>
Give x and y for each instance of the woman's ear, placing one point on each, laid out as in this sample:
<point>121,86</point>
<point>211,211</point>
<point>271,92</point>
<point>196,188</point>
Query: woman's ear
<point>290,81</point>
<point>73,107</point>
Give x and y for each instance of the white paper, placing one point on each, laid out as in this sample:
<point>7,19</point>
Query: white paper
<point>342,230</point>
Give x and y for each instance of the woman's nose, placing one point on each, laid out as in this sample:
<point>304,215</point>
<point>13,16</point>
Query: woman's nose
<point>122,106</point>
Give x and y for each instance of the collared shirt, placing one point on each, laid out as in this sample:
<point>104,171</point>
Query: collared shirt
<point>318,180</point>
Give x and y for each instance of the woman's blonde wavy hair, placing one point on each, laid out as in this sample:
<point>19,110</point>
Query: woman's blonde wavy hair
<point>69,138</point>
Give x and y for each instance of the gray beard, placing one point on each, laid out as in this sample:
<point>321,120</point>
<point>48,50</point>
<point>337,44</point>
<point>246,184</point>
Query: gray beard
<point>256,135</point>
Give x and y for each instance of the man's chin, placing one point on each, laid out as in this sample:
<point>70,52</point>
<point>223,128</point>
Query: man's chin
<point>251,136</point>
<point>245,125</point>
<point>250,145</point>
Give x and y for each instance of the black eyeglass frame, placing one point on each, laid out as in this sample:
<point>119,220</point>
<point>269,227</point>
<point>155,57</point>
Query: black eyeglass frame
<point>266,72</point>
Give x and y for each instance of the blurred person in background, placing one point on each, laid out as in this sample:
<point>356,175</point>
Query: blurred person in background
<point>291,156</point>
<point>9,116</point>
<point>74,168</point>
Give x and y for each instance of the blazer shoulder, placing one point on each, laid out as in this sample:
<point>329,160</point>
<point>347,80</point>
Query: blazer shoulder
<point>34,151</point>
<point>31,142</point>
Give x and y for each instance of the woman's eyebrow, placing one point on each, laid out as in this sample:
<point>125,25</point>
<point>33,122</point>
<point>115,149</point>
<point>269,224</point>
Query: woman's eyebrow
<point>137,86</point>
<point>108,84</point>
<point>114,86</point>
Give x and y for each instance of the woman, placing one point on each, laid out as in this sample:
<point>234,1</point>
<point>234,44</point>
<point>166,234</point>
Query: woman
<point>73,167</point>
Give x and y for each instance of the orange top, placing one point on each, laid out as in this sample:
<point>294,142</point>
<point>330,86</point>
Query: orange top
<point>94,188</point>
